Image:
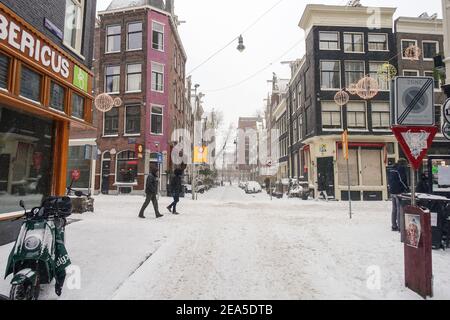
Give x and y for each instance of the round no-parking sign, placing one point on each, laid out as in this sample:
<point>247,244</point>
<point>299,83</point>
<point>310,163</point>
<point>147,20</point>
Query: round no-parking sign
<point>447,110</point>
<point>446,130</point>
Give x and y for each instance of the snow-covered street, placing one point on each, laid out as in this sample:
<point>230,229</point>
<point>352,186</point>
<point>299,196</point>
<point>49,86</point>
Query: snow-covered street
<point>229,245</point>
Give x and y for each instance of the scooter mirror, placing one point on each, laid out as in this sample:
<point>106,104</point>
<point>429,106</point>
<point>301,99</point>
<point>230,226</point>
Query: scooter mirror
<point>79,194</point>
<point>22,204</point>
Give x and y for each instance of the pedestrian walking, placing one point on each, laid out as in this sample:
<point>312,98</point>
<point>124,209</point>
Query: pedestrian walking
<point>322,184</point>
<point>176,189</point>
<point>151,191</point>
<point>423,186</point>
<point>397,185</point>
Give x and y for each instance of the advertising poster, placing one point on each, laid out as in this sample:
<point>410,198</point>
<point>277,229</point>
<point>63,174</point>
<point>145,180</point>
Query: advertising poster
<point>413,230</point>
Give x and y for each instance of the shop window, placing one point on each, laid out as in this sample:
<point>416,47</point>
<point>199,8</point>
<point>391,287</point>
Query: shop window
<point>134,77</point>
<point>372,166</point>
<point>356,115</point>
<point>112,79</point>
<point>134,39</point>
<point>158,36</point>
<point>30,84</point>
<point>111,122</point>
<point>77,161</point>
<point>133,119</point>
<point>26,152</point>
<point>57,96</point>
<point>381,115</point>
<point>157,120</point>
<point>113,38</point>
<point>77,106</point>
<point>127,167</point>
<point>4,71</point>
<point>353,167</point>
<point>73,27</point>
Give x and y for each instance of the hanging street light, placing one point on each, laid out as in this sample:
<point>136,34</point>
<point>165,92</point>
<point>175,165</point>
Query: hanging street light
<point>241,46</point>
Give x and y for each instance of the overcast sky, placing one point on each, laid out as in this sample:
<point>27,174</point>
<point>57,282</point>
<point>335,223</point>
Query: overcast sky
<point>211,24</point>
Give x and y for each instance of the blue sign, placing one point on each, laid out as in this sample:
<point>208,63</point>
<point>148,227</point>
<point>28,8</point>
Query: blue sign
<point>53,28</point>
<point>160,158</point>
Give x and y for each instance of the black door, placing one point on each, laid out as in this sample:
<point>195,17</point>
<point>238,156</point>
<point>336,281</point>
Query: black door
<point>4,171</point>
<point>106,170</point>
<point>325,171</point>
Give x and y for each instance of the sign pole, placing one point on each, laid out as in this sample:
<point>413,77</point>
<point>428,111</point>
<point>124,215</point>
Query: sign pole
<point>346,153</point>
<point>413,187</point>
<point>349,191</point>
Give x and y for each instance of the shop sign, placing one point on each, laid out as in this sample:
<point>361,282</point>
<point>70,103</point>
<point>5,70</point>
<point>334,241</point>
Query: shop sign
<point>80,78</point>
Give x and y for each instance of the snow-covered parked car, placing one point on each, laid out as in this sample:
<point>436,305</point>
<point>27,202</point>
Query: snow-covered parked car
<point>253,187</point>
<point>296,192</point>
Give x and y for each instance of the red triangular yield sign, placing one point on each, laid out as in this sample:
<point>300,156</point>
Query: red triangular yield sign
<point>415,142</point>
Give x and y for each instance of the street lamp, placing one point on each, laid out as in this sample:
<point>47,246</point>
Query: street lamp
<point>241,46</point>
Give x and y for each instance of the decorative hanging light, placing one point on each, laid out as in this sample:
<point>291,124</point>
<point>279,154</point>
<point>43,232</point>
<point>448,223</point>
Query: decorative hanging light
<point>352,89</point>
<point>241,46</point>
<point>104,102</point>
<point>117,102</point>
<point>367,88</point>
<point>413,53</point>
<point>387,72</point>
<point>341,98</point>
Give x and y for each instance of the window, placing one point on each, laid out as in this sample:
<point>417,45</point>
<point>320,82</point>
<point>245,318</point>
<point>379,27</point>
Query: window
<point>57,96</point>
<point>354,71</point>
<point>77,106</point>
<point>157,77</point>
<point>330,75</point>
<point>437,81</point>
<point>331,116</point>
<point>77,161</point>
<point>127,167</point>
<point>134,77</point>
<point>26,159</point>
<point>381,118</point>
<point>4,71</point>
<point>73,26</point>
<point>410,73</point>
<point>356,115</point>
<point>158,36</point>
<point>329,40</point>
<point>299,93</point>
<point>353,42</point>
<point>295,130</point>
<point>111,122</point>
<point>113,38</point>
<point>378,42</point>
<point>406,44</point>
<point>134,39</point>
<point>133,119</point>
<point>30,84</point>
<point>383,83</point>
<point>112,79</point>
<point>430,49</point>
<point>157,120</point>
<point>300,127</point>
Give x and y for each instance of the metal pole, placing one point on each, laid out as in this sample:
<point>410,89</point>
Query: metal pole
<point>413,187</point>
<point>349,191</point>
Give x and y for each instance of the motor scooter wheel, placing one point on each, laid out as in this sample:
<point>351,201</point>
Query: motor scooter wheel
<point>25,292</point>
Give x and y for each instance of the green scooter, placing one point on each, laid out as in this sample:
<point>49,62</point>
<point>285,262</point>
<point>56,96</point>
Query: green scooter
<point>39,254</point>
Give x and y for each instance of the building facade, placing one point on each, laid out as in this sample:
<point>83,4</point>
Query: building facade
<point>342,46</point>
<point>142,62</point>
<point>46,89</point>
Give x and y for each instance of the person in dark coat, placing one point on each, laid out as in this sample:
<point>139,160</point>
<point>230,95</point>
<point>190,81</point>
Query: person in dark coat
<point>397,185</point>
<point>322,184</point>
<point>176,189</point>
<point>151,191</point>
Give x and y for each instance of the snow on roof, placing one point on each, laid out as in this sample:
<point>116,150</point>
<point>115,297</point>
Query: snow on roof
<point>120,4</point>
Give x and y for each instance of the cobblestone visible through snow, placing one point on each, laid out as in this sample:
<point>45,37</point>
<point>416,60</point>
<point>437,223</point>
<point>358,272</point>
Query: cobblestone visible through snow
<point>229,245</point>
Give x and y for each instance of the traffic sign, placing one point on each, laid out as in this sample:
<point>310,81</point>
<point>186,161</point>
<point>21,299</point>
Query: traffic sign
<point>415,142</point>
<point>414,101</point>
<point>345,145</point>
<point>446,110</point>
<point>446,130</point>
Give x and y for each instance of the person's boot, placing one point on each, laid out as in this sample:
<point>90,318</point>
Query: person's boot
<point>159,215</point>
<point>169,208</point>
<point>175,213</point>
<point>141,216</point>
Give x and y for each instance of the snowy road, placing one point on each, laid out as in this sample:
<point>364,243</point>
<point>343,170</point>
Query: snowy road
<point>229,245</point>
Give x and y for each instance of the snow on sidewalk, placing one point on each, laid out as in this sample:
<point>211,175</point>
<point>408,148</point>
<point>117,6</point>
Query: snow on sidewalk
<point>229,245</point>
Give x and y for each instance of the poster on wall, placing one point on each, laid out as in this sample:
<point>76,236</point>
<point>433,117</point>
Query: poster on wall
<point>444,176</point>
<point>413,230</point>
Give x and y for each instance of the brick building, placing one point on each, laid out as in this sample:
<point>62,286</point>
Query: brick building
<point>142,61</point>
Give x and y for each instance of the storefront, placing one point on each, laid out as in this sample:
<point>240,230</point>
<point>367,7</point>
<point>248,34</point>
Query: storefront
<point>369,158</point>
<point>43,92</point>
